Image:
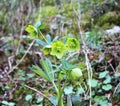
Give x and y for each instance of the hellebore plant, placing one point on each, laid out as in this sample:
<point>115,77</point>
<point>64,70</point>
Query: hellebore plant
<point>56,48</point>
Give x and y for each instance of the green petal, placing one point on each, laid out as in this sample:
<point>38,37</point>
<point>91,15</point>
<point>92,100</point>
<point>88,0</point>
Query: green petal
<point>72,45</point>
<point>46,50</point>
<point>58,49</point>
<point>59,56</point>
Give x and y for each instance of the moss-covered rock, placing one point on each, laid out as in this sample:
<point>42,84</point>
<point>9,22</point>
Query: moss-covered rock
<point>109,19</point>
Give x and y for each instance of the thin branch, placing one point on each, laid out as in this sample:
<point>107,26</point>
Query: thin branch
<point>85,48</point>
<point>72,55</point>
<point>20,38</point>
<point>116,88</point>
<point>14,67</point>
<point>38,92</point>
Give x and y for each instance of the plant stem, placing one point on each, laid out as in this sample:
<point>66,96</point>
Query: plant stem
<point>43,36</point>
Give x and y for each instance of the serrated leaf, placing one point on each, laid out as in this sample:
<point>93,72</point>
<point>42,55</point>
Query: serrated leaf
<point>66,66</point>
<point>47,66</point>
<point>39,71</point>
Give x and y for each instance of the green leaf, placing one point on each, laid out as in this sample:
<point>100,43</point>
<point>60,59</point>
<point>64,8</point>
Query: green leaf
<point>40,99</point>
<point>28,97</point>
<point>101,100</point>
<point>38,26</point>
<point>5,102</point>
<point>47,66</point>
<point>93,83</point>
<point>66,66</point>
<point>30,75</point>
<point>68,90</point>
<point>40,42</point>
<point>11,104</point>
<point>48,38</point>
<point>103,74</point>
<point>54,100</point>
<point>107,87</point>
<point>39,71</point>
<point>55,39</point>
<point>107,79</point>
<point>80,91</point>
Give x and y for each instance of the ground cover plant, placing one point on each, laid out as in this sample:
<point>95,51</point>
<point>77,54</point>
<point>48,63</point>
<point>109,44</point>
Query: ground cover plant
<point>59,53</point>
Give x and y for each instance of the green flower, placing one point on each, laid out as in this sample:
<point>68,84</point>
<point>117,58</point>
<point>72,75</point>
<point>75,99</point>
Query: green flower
<point>32,31</point>
<point>58,49</point>
<point>72,45</point>
<point>47,49</point>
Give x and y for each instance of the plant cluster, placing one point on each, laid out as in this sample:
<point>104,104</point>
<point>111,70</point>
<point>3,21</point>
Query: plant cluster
<point>70,60</point>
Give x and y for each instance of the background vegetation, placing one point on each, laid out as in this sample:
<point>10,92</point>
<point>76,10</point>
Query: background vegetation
<point>59,52</point>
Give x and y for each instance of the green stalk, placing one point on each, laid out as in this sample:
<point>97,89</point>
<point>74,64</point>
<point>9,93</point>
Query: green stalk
<point>60,101</point>
<point>59,94</point>
<point>43,36</point>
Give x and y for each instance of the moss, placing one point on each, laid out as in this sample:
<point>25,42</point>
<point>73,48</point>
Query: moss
<point>86,21</point>
<point>49,11</point>
<point>45,15</point>
<point>46,12</point>
<point>108,26</point>
<point>67,10</point>
<point>109,19</point>
<point>48,2</point>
